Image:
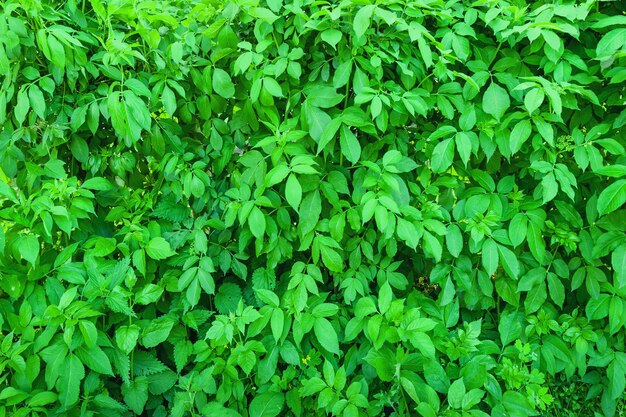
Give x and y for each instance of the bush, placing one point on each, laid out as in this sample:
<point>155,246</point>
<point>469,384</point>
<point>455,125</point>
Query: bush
<point>309,208</point>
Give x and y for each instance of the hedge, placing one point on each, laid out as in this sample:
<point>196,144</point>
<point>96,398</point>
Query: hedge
<point>312,208</point>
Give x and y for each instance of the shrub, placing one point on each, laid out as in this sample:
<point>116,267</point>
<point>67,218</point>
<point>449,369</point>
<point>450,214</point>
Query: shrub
<point>309,208</point>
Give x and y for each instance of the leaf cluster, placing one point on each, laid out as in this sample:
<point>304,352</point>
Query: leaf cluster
<point>255,208</point>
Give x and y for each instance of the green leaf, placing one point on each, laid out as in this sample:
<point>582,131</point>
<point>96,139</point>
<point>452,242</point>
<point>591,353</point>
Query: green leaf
<point>227,298</point>
<point>272,87</point>
<point>618,261</point>
<point>80,149</point>
<point>70,376</point>
<point>268,404</point>
<point>509,261</point>
<point>135,393</point>
<point>549,186</point>
<point>57,51</point>
<point>611,42</point>
<point>148,294</point>
<point>456,392</point>
<point>89,332</point>
<point>496,101</point>
<point>533,99</point>
<point>535,298</point>
<point>193,292</point>
<point>517,229</point>
<point>95,359</point>
<point>22,107</point>
<point>78,117</point>
<point>169,100</point>
<point>326,335</point>
<point>126,337</point>
<point>490,256</point>
<point>310,211</point>
<point>612,197</point>
<point>37,101</point>
<point>328,134</point>
<point>217,409</point>
<point>509,327</point>
<point>598,308</point>
<point>331,258</point>
<point>277,323</point>
<point>443,155</point>
<point>276,175</point>
<point>331,37</point>
<point>362,19</point>
<point>463,146</point>
<point>256,221</point>
<point>454,240</point>
<point>28,247</point>
<point>342,74</point>
<point>293,192</point>
<point>312,386</point>
<point>516,404</point>
<point>156,332</point>
<point>556,289</point>
<point>432,246</point>
<point>519,135</point>
<point>323,97</point>
<point>350,146</point>
<point>98,183</point>
<point>385,297</point>
<point>158,248</point>
<point>222,84</point>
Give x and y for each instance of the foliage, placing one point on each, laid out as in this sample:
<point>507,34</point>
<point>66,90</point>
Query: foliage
<point>308,208</point>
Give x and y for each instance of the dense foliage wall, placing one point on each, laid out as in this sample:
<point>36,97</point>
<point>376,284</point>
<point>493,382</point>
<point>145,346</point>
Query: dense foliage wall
<point>308,208</point>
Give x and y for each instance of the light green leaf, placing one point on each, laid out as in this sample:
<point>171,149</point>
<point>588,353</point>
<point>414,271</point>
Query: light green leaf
<point>362,19</point>
<point>222,84</point>
<point>454,240</point>
<point>70,376</point>
<point>22,107</point>
<point>549,186</point>
<point>324,97</point>
<point>490,256</point>
<point>126,337</point>
<point>57,51</point>
<point>496,101</point>
<point>277,323</point>
<point>612,197</point>
<point>158,248</point>
<point>384,298</point>
<point>326,335</point>
<point>533,99</point>
<point>520,134</point>
<point>293,192</point>
<point>169,100</point>
<point>443,155</point>
<point>272,87</point>
<point>157,332</point>
<point>268,404</point>
<point>331,258</point>
<point>28,247</point>
<point>331,36</point>
<point>517,229</point>
<point>135,393</point>
<point>350,146</point>
<point>342,74</point>
<point>509,261</point>
<point>37,101</point>
<point>256,221</point>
